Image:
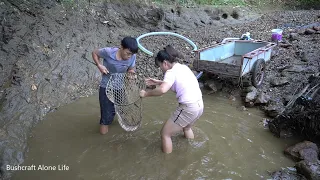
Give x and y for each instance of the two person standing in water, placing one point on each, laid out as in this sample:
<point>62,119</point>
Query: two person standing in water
<point>177,77</point>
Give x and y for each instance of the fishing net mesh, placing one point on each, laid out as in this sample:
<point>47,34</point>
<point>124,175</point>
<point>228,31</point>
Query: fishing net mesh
<point>123,90</point>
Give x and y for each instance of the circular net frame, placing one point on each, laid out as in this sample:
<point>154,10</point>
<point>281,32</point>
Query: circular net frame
<point>123,89</point>
<point>130,116</point>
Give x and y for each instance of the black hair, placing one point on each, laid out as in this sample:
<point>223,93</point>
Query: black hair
<point>130,43</point>
<point>169,54</point>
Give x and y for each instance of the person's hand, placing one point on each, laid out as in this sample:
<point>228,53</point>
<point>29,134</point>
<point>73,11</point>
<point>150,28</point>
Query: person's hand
<point>151,82</point>
<point>103,69</point>
<point>132,76</point>
<point>143,93</point>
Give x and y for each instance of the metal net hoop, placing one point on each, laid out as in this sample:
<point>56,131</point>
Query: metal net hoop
<point>130,116</point>
<point>123,89</point>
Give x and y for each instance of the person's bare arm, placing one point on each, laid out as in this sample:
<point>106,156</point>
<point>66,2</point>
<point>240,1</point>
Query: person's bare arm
<point>96,59</point>
<point>158,91</point>
<point>151,82</point>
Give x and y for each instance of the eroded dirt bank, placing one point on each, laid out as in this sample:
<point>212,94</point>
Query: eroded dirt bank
<point>45,53</point>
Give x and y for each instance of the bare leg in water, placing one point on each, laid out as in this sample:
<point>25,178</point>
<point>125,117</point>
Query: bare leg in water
<point>188,133</point>
<point>169,129</point>
<point>104,129</point>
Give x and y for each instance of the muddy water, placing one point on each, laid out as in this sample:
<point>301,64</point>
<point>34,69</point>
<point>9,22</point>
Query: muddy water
<point>229,144</point>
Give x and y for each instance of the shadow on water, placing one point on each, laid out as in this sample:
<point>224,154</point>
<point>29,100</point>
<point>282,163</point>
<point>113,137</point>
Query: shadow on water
<point>229,144</point>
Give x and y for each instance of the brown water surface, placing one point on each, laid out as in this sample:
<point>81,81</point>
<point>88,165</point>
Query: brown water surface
<point>229,144</point>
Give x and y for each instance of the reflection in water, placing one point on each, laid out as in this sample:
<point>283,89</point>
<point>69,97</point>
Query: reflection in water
<point>229,144</point>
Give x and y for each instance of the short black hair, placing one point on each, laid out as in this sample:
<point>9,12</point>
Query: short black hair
<point>130,43</point>
<point>161,56</point>
<point>168,53</point>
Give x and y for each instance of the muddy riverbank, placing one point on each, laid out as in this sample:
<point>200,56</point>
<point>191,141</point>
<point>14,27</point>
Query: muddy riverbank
<point>45,53</point>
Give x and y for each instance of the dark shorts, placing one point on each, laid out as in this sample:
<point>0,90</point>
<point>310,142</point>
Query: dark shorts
<point>107,110</point>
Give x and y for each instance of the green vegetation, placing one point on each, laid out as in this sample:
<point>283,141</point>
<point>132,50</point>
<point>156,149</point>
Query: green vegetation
<point>305,4</point>
<point>308,4</point>
<point>221,2</point>
<point>203,2</point>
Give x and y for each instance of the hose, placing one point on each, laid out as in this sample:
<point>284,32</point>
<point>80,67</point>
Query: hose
<point>162,33</point>
<point>245,36</point>
<point>225,39</point>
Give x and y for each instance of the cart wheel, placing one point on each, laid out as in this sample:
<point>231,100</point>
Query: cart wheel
<point>258,73</point>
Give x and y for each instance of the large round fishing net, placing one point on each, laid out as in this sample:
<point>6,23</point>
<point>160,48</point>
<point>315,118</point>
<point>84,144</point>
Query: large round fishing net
<point>123,90</point>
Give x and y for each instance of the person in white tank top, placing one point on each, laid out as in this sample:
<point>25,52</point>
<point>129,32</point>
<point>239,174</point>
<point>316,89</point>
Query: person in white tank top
<point>180,79</point>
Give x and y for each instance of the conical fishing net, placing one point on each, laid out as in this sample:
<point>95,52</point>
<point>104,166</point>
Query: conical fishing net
<point>123,90</point>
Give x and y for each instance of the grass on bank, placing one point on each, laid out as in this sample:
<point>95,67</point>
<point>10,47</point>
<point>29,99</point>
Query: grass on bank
<point>295,4</point>
<point>204,2</point>
<point>298,4</point>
